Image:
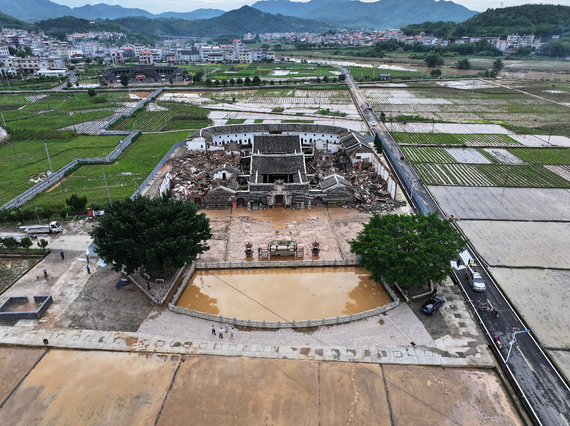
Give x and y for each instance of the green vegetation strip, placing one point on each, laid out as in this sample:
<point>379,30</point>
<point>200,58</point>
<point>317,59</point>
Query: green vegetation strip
<point>235,121</point>
<point>130,170</point>
<point>525,176</point>
<point>542,155</point>
<point>23,162</point>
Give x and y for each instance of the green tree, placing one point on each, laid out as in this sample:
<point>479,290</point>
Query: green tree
<point>498,65</point>
<point>91,92</point>
<point>256,80</point>
<point>77,203</point>
<point>463,64</point>
<point>197,77</point>
<point>341,77</point>
<point>247,81</point>
<point>124,79</point>
<point>436,73</point>
<point>433,61</point>
<point>10,242</point>
<point>26,243</point>
<point>153,233</point>
<point>382,116</point>
<point>42,243</point>
<point>408,250</point>
<point>378,143</point>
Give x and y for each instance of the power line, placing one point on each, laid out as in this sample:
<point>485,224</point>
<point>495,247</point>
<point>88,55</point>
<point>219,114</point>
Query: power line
<point>360,365</point>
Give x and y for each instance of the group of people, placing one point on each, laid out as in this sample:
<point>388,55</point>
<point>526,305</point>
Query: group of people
<point>221,331</point>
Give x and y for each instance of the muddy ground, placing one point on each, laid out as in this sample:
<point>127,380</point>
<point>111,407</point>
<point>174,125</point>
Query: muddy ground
<point>99,388</point>
<point>332,228</point>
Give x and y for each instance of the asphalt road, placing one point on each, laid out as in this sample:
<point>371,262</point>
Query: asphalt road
<point>546,395</point>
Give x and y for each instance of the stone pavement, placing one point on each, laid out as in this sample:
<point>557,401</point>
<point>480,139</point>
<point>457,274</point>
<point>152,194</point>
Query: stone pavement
<point>397,337</point>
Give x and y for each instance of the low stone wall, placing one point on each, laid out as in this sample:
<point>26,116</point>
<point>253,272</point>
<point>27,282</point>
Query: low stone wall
<point>277,324</point>
<point>6,315</point>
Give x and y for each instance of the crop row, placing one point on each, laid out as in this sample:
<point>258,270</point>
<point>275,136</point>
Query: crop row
<point>542,155</point>
<point>426,138</point>
<point>427,155</point>
<point>145,121</point>
<point>482,139</point>
<point>527,176</point>
<point>469,139</point>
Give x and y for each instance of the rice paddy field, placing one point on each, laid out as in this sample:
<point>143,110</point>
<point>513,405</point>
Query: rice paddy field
<point>123,177</point>
<point>24,163</point>
<point>529,107</point>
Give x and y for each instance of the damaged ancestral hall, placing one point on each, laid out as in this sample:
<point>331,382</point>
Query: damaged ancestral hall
<point>279,164</point>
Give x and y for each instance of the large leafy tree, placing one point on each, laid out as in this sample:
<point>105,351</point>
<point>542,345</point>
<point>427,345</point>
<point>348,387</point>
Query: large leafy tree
<point>77,203</point>
<point>153,233</point>
<point>407,249</point>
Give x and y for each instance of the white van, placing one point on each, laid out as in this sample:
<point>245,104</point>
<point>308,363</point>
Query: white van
<point>473,276</point>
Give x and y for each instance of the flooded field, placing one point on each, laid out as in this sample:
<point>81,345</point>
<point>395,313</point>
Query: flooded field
<point>283,294</point>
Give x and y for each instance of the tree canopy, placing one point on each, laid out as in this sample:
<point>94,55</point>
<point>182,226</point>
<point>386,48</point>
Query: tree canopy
<point>153,233</point>
<point>408,250</point>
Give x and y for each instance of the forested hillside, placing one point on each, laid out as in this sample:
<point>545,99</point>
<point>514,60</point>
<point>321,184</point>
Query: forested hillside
<point>542,20</point>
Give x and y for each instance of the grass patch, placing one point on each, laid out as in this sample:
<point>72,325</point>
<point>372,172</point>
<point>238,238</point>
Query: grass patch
<point>426,138</point>
<point>258,121</point>
<point>130,169</point>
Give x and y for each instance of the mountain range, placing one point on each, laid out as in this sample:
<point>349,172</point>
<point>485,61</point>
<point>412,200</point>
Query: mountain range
<point>339,13</point>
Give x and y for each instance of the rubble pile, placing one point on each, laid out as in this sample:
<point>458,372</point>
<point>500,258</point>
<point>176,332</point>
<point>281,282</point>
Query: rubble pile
<point>370,191</point>
<point>191,174</point>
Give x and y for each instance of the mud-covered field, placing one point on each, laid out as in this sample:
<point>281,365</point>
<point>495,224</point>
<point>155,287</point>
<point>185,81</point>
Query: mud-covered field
<point>108,388</point>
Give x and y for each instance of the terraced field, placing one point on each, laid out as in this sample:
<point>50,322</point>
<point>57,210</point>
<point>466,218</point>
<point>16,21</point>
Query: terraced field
<point>523,176</point>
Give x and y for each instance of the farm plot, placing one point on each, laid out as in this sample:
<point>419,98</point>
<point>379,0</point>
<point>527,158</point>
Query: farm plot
<point>144,121</point>
<point>501,156</point>
<point>452,174</point>
<point>123,177</point>
<point>302,97</point>
<point>468,156</point>
<point>543,155</point>
<point>24,163</point>
<point>562,170</point>
<point>529,176</point>
<point>427,155</point>
<point>481,139</point>
<point>171,116</point>
<point>426,138</point>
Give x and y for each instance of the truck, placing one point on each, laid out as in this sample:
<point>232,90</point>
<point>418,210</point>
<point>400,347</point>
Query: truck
<point>472,273</point>
<point>43,229</point>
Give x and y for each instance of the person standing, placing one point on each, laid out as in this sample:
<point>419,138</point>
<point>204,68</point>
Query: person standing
<point>213,329</point>
<point>221,333</point>
<point>62,255</point>
<point>88,270</point>
<point>226,326</point>
<point>232,334</point>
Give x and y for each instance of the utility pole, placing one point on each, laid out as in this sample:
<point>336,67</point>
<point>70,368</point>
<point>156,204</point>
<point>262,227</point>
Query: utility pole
<point>49,160</point>
<point>511,343</point>
<point>107,186</point>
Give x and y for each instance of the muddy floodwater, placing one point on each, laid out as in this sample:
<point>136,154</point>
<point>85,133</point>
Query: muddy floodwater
<point>283,294</point>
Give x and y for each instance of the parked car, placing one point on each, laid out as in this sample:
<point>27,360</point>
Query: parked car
<point>432,305</point>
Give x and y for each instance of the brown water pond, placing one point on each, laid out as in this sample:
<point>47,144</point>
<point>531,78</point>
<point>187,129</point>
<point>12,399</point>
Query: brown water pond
<point>283,293</point>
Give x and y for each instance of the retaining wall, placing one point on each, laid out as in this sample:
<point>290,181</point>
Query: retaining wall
<point>276,324</point>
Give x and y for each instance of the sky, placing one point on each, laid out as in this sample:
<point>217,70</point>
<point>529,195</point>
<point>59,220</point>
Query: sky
<point>154,6</point>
